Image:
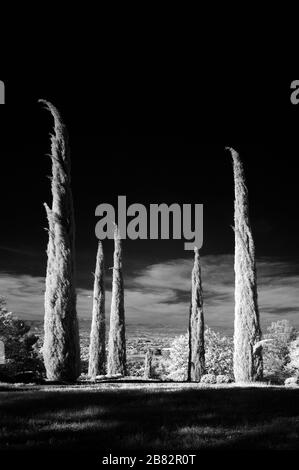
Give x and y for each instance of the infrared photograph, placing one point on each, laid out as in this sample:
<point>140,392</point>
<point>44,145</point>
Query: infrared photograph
<point>149,274</point>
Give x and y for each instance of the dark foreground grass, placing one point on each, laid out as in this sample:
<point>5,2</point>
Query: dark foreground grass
<point>150,419</point>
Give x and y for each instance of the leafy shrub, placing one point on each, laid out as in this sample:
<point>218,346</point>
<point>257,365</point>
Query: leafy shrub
<point>135,367</point>
<point>280,354</point>
<point>276,354</point>
<point>21,346</point>
<point>223,379</point>
<point>218,356</point>
<point>175,366</point>
<point>219,353</point>
<point>293,365</point>
<point>291,381</point>
<point>208,379</point>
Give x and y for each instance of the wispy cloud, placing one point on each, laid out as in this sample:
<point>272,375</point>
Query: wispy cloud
<point>158,295</point>
<point>24,294</point>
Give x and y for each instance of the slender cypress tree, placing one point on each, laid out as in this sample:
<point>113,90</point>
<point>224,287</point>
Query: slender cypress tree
<point>117,363</point>
<point>61,348</point>
<point>97,348</point>
<point>248,364</point>
<point>196,363</point>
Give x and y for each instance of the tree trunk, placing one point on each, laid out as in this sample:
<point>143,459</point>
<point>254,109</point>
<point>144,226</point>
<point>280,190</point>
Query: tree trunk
<point>196,364</point>
<point>117,336</point>
<point>148,372</point>
<point>61,349</point>
<point>97,348</point>
<point>248,364</point>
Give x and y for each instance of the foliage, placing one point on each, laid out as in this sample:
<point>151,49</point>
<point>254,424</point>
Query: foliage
<point>117,357</point>
<point>208,379</point>
<point>218,356</point>
<point>293,364</point>
<point>176,365</point>
<point>280,354</point>
<point>196,324</point>
<point>97,347</point>
<point>276,354</point>
<point>61,334</point>
<point>160,370</point>
<point>219,353</point>
<point>291,381</point>
<point>135,368</point>
<point>223,379</point>
<point>21,346</point>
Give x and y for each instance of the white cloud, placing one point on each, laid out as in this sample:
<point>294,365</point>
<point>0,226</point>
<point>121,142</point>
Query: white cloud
<point>159,294</point>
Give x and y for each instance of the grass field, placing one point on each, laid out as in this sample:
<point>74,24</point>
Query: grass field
<point>148,416</point>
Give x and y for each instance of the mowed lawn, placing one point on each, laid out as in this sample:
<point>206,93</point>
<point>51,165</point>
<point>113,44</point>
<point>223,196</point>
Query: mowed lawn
<point>149,417</point>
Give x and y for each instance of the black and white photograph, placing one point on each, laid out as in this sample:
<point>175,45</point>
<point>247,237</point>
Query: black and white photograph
<point>149,269</point>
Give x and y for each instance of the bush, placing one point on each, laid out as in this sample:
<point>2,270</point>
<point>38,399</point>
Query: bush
<point>223,379</point>
<point>276,354</point>
<point>219,353</point>
<point>21,346</point>
<point>176,365</point>
<point>291,381</point>
<point>208,379</point>
<point>135,367</point>
<point>293,365</point>
<point>218,356</point>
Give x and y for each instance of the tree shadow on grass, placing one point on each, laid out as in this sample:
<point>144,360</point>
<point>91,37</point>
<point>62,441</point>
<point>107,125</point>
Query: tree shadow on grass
<point>232,418</point>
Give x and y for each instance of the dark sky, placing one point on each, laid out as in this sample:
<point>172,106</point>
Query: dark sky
<point>154,143</point>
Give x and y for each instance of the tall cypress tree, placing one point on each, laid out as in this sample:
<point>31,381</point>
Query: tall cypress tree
<point>117,363</point>
<point>97,348</point>
<point>248,364</point>
<point>196,363</point>
<point>61,349</point>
